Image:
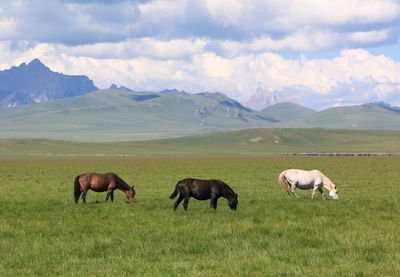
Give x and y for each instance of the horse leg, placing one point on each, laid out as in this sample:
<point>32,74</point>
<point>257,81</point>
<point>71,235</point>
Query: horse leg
<point>84,196</point>
<point>213,203</point>
<point>180,198</point>
<point>293,191</point>
<point>186,202</point>
<point>313,192</point>
<point>322,192</point>
<point>110,192</point>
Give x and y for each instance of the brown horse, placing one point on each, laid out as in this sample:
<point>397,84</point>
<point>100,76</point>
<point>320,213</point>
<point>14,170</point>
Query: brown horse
<point>99,183</point>
<point>203,190</point>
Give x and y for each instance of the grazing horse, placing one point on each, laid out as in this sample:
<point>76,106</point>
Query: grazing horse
<point>295,178</point>
<point>203,190</point>
<point>99,183</point>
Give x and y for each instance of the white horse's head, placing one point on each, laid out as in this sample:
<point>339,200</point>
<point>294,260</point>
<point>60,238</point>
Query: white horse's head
<point>333,193</point>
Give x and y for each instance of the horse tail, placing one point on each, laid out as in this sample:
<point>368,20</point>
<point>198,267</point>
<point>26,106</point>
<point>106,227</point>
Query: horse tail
<point>175,193</point>
<point>77,189</point>
<point>284,183</point>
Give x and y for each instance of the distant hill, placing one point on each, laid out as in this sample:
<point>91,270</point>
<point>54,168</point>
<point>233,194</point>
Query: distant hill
<point>116,115</point>
<point>287,111</point>
<point>367,116</point>
<point>35,82</point>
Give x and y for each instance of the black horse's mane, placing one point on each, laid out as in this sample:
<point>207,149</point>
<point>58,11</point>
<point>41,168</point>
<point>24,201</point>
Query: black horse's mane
<point>228,188</point>
<point>122,184</point>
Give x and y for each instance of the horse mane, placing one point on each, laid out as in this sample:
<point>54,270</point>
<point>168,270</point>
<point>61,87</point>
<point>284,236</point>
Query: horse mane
<point>327,181</point>
<point>121,183</point>
<point>228,188</point>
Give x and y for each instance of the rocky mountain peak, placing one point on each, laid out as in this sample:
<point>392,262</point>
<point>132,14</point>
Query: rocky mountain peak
<point>36,63</point>
<point>262,99</point>
<point>123,88</point>
<point>35,82</point>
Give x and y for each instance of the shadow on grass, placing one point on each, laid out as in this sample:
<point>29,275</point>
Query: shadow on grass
<point>103,202</point>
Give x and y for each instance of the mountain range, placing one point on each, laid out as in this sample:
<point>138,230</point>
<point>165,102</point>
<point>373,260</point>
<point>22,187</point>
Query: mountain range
<point>72,108</point>
<point>118,115</point>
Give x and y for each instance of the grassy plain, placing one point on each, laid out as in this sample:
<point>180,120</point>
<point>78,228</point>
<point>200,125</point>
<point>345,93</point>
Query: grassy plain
<point>252,142</point>
<point>43,233</point>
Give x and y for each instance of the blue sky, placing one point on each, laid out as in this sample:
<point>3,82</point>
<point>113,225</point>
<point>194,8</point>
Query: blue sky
<point>318,53</point>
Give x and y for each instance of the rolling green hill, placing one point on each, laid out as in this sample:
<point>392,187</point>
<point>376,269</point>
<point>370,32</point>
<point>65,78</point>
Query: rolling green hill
<point>115,115</point>
<point>287,111</point>
<point>368,116</point>
<point>234,143</point>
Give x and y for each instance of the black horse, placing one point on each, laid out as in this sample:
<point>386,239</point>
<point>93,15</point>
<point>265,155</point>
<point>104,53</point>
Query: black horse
<point>203,190</point>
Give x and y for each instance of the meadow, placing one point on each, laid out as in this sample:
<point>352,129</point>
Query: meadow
<point>44,233</point>
<point>250,142</point>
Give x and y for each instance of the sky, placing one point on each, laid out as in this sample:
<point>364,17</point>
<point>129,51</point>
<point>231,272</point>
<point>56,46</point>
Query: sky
<point>318,53</point>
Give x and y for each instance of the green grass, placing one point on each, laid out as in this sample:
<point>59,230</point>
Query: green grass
<point>43,233</point>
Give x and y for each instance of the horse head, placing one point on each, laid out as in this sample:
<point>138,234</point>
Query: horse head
<point>233,201</point>
<point>333,193</point>
<point>130,194</point>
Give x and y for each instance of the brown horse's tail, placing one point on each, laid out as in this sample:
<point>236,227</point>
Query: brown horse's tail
<point>284,183</point>
<point>77,189</point>
<point>175,193</point>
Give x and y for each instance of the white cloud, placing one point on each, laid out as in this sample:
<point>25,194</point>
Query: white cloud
<point>295,14</point>
<point>217,67</point>
<point>160,10</point>
<point>7,27</point>
<point>306,40</point>
<point>359,64</point>
<point>369,37</point>
<point>228,12</point>
<point>385,91</point>
<point>145,47</point>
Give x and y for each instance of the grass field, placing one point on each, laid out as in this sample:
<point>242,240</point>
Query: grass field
<point>43,233</point>
<point>252,142</point>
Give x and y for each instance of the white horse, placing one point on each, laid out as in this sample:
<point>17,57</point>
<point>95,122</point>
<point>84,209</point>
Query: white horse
<point>302,179</point>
